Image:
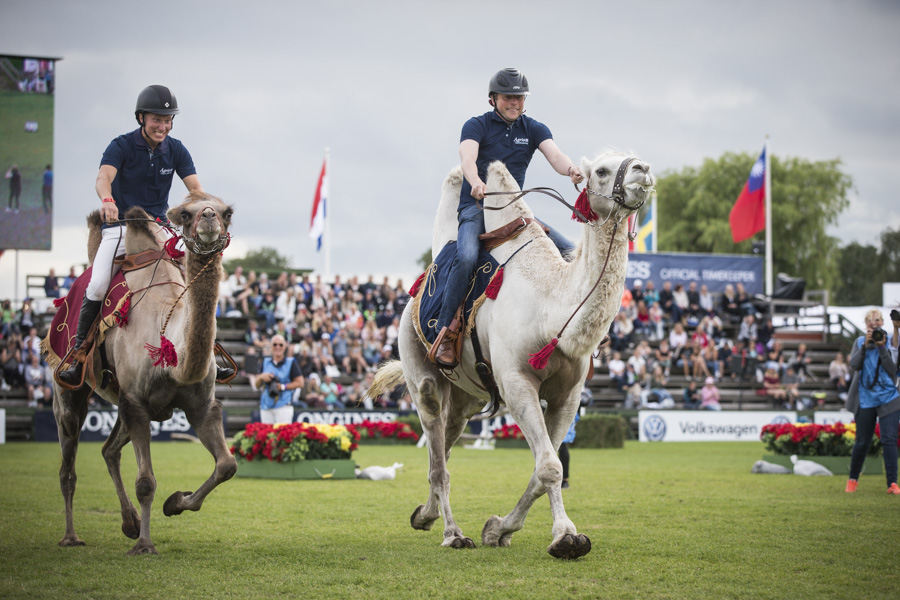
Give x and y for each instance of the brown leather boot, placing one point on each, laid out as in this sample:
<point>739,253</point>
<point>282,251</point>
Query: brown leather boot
<point>443,351</point>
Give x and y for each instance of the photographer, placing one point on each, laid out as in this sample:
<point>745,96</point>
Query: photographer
<point>279,378</point>
<point>873,396</point>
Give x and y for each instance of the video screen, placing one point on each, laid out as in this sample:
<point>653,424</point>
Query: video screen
<point>26,152</point>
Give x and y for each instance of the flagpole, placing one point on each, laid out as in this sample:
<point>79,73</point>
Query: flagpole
<point>653,217</point>
<point>769,287</point>
<point>328,211</point>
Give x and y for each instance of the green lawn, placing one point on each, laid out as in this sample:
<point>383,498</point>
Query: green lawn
<point>666,521</point>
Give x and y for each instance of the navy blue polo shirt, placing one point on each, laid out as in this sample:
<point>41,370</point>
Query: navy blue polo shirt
<point>144,177</point>
<point>513,144</point>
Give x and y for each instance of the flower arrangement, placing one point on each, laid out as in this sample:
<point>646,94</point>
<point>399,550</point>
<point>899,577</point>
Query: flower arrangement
<point>808,439</point>
<point>395,430</point>
<point>509,432</point>
<point>295,442</point>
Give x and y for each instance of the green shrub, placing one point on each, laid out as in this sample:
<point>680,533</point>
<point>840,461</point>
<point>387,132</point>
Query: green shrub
<point>412,420</point>
<point>601,431</point>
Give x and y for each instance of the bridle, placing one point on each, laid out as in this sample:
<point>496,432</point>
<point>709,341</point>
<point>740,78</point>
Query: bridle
<point>197,247</point>
<point>618,192</point>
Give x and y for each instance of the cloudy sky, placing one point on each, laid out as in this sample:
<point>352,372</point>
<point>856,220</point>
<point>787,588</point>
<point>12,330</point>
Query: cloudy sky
<point>264,87</point>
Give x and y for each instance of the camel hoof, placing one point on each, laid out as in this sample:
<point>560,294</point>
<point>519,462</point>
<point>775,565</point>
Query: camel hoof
<point>142,548</point>
<point>70,541</point>
<point>491,536</point>
<point>172,506</point>
<point>419,522</point>
<point>570,546</point>
<point>131,524</point>
<point>459,543</point>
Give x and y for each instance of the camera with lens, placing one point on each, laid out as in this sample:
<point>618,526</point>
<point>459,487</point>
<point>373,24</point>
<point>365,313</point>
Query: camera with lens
<point>878,335</point>
<point>275,390</point>
<point>895,315</point>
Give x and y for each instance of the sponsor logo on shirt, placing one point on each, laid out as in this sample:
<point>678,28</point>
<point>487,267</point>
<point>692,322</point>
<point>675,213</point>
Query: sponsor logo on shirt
<point>166,171</point>
<point>519,140</point>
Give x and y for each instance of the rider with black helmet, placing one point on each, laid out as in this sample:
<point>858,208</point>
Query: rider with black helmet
<point>507,135</point>
<point>137,169</point>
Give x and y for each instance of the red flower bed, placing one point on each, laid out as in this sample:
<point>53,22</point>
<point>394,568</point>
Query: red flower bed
<point>509,432</point>
<point>383,431</point>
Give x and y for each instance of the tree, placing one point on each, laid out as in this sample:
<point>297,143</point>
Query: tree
<point>861,274</point>
<point>265,259</point>
<point>425,259</point>
<point>807,196</point>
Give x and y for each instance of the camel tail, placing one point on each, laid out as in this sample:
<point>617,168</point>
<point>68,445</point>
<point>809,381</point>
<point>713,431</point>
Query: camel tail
<point>389,376</point>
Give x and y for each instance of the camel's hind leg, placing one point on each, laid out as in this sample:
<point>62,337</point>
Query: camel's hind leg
<point>136,420</point>
<point>207,421</point>
<point>112,454</point>
<point>70,410</point>
<point>443,425</point>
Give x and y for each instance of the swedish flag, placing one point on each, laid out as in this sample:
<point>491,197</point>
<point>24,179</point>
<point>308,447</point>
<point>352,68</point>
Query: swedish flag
<point>644,241</point>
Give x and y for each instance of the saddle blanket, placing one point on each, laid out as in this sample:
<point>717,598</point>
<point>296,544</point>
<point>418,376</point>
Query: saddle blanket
<point>61,336</point>
<point>431,290</point>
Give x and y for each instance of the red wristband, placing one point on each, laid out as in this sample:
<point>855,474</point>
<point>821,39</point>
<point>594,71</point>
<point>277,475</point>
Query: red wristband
<point>109,200</point>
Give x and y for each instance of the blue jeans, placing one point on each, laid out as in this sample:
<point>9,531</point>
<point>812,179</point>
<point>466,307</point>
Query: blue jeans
<point>865,429</point>
<point>471,225</point>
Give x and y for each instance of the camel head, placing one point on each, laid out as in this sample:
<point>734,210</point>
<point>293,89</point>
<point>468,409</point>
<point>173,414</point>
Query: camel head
<point>601,178</point>
<point>204,220</point>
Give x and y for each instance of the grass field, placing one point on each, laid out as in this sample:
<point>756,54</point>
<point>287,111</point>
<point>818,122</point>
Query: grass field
<point>666,521</point>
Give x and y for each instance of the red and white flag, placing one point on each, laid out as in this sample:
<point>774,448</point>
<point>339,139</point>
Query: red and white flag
<point>317,221</point>
<point>748,215</point>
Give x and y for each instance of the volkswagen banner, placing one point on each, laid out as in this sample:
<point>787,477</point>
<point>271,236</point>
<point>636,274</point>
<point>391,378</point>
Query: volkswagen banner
<point>707,426</point>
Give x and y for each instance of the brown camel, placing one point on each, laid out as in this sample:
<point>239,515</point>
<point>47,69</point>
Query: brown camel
<point>150,393</point>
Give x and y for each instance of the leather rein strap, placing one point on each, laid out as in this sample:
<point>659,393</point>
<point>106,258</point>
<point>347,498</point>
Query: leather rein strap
<point>133,262</point>
<point>511,230</point>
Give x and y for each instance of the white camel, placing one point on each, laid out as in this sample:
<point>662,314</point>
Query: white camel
<point>540,297</point>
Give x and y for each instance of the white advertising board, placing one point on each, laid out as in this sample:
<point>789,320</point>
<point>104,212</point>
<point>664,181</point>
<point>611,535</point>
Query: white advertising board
<point>830,417</point>
<point>707,426</point>
<point>2,425</point>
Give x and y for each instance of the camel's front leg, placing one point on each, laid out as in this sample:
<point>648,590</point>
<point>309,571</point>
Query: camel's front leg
<point>137,421</point>
<point>430,398</point>
<point>70,410</point>
<point>112,454</point>
<point>207,421</point>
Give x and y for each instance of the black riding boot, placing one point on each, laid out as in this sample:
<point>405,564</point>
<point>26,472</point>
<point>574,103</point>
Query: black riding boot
<point>89,311</point>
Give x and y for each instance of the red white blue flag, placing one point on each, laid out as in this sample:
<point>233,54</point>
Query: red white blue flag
<point>748,215</point>
<point>317,221</point>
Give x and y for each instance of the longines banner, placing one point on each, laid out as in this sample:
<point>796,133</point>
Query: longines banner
<point>707,426</point>
<point>99,423</point>
<point>342,417</point>
<point>714,270</point>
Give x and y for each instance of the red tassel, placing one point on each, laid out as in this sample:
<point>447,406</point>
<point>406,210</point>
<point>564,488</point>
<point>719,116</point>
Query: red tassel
<point>59,302</point>
<point>171,250</point>
<point>493,288</point>
<point>583,205</point>
<point>165,355</point>
<point>121,315</point>
<point>414,290</point>
<point>540,359</point>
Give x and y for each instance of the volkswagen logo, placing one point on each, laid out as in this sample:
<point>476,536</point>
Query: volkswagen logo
<point>780,420</point>
<point>655,428</point>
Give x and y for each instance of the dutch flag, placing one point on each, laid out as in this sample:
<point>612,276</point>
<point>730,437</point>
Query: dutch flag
<point>317,221</point>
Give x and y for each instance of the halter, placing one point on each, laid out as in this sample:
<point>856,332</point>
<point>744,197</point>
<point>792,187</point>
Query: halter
<point>618,193</point>
<point>197,247</point>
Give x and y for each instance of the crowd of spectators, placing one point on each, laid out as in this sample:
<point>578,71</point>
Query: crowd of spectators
<point>344,328</point>
<point>704,339</point>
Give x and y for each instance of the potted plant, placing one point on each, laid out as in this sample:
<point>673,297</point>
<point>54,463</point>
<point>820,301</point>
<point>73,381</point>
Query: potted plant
<point>828,445</point>
<point>295,451</point>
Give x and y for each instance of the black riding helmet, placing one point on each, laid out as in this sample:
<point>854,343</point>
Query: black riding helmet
<point>510,82</point>
<point>156,99</point>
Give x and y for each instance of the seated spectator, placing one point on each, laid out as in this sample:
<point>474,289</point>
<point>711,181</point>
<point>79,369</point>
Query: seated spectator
<point>711,357</point>
<point>617,370</point>
<point>680,303</point>
<point>68,282</point>
<point>775,357</point>
<point>707,304</point>
<point>667,301</point>
<point>765,331</point>
<point>312,394</point>
<point>639,363</point>
<point>637,291</point>
<point>249,294</point>
<point>839,375</point>
<point>709,395</point>
<point>7,319</point>
<point>748,331</point>
<point>31,346</point>
<point>663,356</point>
<point>691,396</point>
<point>800,363</point>
<point>656,395</point>
<point>791,383</point>
<point>621,331</point>
<point>642,320</point>
<point>286,304</point>
<point>743,299</point>
<point>693,296</point>
<point>51,285</point>
<point>651,295</point>
<point>340,346</point>
<point>11,357</point>
<point>632,387</point>
<point>237,283</point>
<point>266,309</point>
<point>37,383</point>
<point>773,388</point>
<point>729,303</point>
<point>330,392</point>
<point>252,335</point>
<point>678,340</point>
<point>656,325</point>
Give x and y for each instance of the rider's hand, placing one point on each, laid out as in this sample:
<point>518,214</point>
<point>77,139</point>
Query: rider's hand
<point>478,190</point>
<point>109,212</point>
<point>575,175</point>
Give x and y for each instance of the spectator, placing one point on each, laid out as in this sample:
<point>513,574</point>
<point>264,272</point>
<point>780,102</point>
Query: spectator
<point>639,364</point>
<point>564,451</point>
<point>632,387</point>
<point>709,395</point>
<point>691,396</point>
<point>266,309</point>
<point>730,307</point>
<point>286,304</point>
<point>15,188</point>
<point>656,395</point>
<point>330,393</point>
<point>680,303</point>
<point>743,299</point>
<point>11,357</point>
<point>678,340</point>
<point>791,383</point>
<point>637,291</point>
<point>667,300</point>
<point>312,393</point>
<point>773,388</point>
<point>873,398</point>
<point>651,294</point>
<point>707,304</point>
<point>642,320</point>
<point>248,294</point>
<point>839,375</point>
<point>621,331</point>
<point>748,330</point>
<point>280,376</point>
<point>68,282</point>
<point>31,346</point>
<point>51,285</point>
<point>657,328</point>
<point>253,336</point>
<point>765,331</point>
<point>617,370</point>
<point>775,357</point>
<point>663,356</point>
<point>800,363</point>
<point>693,296</point>
<point>37,384</point>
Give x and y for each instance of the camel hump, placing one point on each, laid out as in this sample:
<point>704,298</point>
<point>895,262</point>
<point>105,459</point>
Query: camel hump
<point>446,221</point>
